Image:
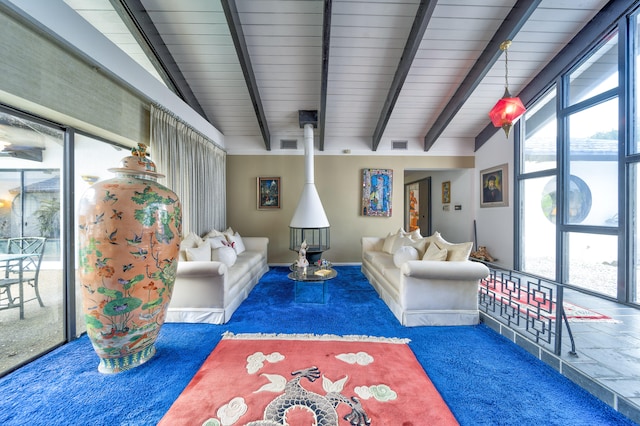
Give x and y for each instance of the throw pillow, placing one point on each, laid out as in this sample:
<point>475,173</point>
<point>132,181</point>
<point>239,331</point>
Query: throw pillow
<point>190,240</point>
<point>455,252</point>
<point>201,253</point>
<point>415,234</point>
<point>236,243</point>
<point>403,254</point>
<point>213,233</point>
<point>388,243</point>
<point>434,253</point>
<point>420,245</point>
<point>400,241</point>
<point>216,242</point>
<point>226,255</point>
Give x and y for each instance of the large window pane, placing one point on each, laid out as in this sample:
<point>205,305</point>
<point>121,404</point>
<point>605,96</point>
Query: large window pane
<point>597,74</point>
<point>30,197</point>
<point>634,254</point>
<point>538,235</point>
<point>636,85</point>
<point>539,150</point>
<point>593,262</point>
<point>592,194</point>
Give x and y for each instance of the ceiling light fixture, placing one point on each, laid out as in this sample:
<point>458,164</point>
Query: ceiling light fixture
<point>508,109</point>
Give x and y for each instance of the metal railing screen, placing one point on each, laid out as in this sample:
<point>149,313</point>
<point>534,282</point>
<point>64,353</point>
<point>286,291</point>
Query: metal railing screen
<point>524,303</point>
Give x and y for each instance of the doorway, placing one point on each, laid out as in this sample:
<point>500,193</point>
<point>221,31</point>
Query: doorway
<point>418,206</point>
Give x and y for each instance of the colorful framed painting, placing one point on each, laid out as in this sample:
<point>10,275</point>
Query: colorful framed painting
<point>446,192</point>
<point>269,190</point>
<point>377,186</point>
<point>494,191</point>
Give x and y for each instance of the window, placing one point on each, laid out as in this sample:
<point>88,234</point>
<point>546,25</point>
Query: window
<point>569,182</point>
<point>31,163</point>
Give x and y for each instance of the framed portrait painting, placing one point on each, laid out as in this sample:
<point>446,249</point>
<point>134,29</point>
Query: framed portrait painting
<point>494,189</point>
<point>377,186</point>
<point>446,192</point>
<point>269,190</point>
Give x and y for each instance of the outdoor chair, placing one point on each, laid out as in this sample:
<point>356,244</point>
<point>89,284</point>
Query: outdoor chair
<point>28,251</point>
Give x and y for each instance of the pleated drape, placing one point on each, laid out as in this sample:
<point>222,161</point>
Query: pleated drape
<point>195,169</point>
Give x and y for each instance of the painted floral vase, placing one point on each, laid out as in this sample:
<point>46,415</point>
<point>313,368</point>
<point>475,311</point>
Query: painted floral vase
<point>129,239</point>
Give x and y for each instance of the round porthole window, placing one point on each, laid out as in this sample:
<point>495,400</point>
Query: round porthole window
<point>579,200</point>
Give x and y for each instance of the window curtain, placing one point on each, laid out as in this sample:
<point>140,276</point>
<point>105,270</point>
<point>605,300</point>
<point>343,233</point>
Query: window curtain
<point>195,169</point>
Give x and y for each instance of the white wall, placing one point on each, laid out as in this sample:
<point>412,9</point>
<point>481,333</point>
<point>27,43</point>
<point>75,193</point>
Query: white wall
<point>454,225</point>
<point>495,224</point>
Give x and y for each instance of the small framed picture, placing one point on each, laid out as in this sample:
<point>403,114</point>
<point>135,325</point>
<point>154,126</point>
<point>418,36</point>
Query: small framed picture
<point>494,191</point>
<point>269,193</point>
<point>446,192</point>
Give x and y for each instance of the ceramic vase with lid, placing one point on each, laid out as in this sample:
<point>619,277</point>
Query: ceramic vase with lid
<point>129,239</point>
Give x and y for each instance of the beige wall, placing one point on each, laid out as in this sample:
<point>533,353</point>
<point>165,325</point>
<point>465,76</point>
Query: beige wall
<point>339,183</point>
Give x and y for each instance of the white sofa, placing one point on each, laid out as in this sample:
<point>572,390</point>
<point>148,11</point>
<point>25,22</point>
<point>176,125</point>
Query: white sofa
<point>423,292</point>
<point>209,291</point>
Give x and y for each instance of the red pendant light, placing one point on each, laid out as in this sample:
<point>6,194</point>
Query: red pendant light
<point>508,109</point>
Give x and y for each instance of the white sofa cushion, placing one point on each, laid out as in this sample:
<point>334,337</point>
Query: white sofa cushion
<point>236,243</point>
<point>455,252</point>
<point>216,233</point>
<point>400,241</point>
<point>421,245</point>
<point>403,254</point>
<point>224,254</point>
<point>435,253</point>
<point>200,253</point>
<point>216,242</point>
<point>189,241</point>
<point>388,243</point>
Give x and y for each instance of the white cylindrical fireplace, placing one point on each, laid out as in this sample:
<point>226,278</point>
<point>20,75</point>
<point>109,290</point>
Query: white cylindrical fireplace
<point>309,222</point>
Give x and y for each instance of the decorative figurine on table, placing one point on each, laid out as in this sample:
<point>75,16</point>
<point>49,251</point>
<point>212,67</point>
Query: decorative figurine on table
<point>324,264</point>
<point>302,262</point>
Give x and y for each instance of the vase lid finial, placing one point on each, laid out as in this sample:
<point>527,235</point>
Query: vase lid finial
<point>138,163</point>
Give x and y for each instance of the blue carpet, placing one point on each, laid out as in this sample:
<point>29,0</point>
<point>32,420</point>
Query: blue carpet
<point>484,378</point>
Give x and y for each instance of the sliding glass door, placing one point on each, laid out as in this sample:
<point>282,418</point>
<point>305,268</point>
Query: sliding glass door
<point>31,285</point>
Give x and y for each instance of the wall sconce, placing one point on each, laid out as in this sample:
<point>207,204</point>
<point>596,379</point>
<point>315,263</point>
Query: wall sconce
<point>508,109</point>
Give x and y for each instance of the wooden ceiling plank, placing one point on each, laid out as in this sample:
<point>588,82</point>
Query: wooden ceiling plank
<point>598,26</point>
<point>514,21</point>
<point>423,16</point>
<point>235,27</point>
<point>136,18</point>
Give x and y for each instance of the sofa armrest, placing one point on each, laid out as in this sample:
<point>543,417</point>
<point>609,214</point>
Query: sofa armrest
<point>372,244</point>
<point>259,244</point>
<point>462,271</point>
<point>195,269</point>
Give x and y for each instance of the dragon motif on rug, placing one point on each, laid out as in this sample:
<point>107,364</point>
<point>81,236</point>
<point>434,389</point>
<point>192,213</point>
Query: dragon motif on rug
<point>322,406</point>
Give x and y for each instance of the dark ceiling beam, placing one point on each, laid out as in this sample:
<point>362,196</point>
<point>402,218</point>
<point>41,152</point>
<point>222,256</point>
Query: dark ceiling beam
<point>599,26</point>
<point>423,16</point>
<point>326,39</point>
<point>514,21</point>
<point>235,27</point>
<point>137,20</point>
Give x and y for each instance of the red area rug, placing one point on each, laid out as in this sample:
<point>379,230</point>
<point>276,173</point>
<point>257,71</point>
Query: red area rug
<point>538,304</point>
<point>305,380</point>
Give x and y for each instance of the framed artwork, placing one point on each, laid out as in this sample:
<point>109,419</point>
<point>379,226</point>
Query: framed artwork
<point>269,190</point>
<point>446,192</point>
<point>494,191</point>
<point>377,186</point>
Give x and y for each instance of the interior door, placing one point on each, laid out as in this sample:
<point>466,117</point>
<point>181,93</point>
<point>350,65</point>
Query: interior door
<point>424,200</point>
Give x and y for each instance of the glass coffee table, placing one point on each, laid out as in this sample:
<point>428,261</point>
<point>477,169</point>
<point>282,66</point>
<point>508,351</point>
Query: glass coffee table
<point>312,286</point>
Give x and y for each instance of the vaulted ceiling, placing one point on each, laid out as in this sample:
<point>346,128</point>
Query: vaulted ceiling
<point>379,72</point>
